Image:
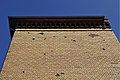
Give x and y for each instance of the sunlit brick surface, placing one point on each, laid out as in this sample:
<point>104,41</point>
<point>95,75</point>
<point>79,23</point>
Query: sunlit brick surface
<point>71,55</point>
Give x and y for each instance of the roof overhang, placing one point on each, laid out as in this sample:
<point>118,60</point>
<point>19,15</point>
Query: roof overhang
<point>14,21</point>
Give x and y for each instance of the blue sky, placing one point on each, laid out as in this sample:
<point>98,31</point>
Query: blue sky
<point>108,8</point>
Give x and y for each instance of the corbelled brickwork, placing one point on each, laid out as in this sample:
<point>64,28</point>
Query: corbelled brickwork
<point>62,48</point>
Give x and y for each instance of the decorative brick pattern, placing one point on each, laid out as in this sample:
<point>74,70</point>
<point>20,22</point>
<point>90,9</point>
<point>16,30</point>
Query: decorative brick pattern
<point>71,55</point>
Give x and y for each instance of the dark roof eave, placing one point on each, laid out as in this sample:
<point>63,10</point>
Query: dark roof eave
<point>56,17</point>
